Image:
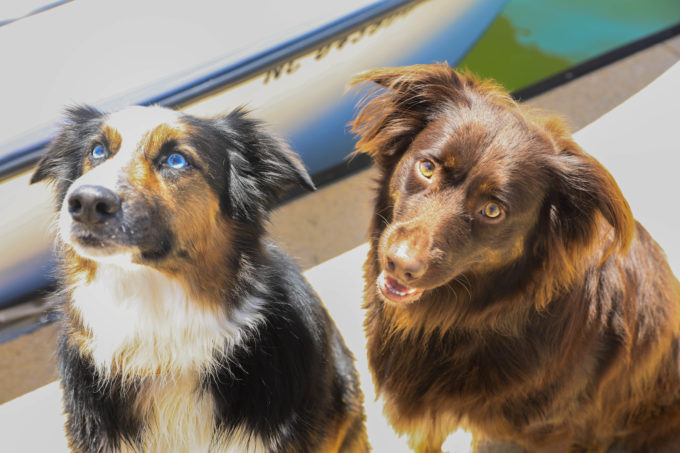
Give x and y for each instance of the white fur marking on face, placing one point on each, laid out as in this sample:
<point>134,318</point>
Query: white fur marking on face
<point>145,322</point>
<point>132,124</point>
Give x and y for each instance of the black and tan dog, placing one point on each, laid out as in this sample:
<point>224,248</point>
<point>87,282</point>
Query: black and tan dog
<point>508,286</point>
<point>183,331</point>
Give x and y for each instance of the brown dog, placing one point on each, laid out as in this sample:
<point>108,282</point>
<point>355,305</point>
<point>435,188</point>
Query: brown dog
<point>508,287</point>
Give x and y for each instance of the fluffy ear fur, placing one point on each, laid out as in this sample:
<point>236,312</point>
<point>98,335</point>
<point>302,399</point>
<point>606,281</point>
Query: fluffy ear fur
<point>260,167</point>
<point>584,195</point>
<point>406,98</point>
<point>61,163</point>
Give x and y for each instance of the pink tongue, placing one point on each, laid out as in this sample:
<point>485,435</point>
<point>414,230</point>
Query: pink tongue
<point>396,285</point>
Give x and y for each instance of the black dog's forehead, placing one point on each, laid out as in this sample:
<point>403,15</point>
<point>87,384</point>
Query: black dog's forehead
<point>149,128</point>
<point>134,128</point>
<point>135,135</point>
<point>214,142</point>
<point>82,126</point>
<point>214,138</point>
<point>207,137</point>
<point>148,133</point>
<point>244,164</point>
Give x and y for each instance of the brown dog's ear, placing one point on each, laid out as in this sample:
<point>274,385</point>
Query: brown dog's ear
<point>391,114</point>
<point>581,189</point>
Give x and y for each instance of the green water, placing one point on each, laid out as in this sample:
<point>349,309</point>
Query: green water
<point>534,39</point>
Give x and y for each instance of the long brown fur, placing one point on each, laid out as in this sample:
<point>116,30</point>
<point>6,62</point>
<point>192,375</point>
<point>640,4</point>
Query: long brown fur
<point>554,326</point>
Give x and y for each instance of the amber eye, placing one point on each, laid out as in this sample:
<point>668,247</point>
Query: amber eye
<point>491,210</point>
<point>426,168</point>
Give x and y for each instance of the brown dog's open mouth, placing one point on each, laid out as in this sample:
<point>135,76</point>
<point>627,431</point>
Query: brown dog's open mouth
<point>396,292</point>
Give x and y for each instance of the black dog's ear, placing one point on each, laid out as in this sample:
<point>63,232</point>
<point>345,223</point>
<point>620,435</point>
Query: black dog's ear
<point>261,166</point>
<point>62,161</point>
<point>54,164</point>
<point>405,100</point>
<point>46,168</point>
<point>583,196</point>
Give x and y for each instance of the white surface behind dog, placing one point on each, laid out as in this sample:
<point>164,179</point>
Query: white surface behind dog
<point>637,142</point>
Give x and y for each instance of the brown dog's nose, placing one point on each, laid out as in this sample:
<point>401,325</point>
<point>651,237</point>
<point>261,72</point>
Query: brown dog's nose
<point>93,204</point>
<point>405,263</point>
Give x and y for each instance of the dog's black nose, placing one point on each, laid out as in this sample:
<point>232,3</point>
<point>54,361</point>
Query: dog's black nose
<point>404,263</point>
<point>93,204</point>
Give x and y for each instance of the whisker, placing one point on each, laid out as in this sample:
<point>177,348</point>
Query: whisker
<point>462,283</point>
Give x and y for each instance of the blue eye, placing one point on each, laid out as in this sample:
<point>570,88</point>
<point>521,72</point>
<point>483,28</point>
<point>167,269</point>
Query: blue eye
<point>99,152</point>
<point>177,161</point>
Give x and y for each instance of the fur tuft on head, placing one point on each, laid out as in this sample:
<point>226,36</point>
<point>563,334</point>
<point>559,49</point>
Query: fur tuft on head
<point>405,100</point>
<point>258,165</point>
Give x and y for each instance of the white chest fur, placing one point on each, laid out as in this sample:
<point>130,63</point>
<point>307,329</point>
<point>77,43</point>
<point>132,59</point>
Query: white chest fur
<point>144,322</point>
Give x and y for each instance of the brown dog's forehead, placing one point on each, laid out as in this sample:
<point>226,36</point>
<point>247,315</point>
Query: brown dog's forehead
<point>489,150</point>
<point>481,135</point>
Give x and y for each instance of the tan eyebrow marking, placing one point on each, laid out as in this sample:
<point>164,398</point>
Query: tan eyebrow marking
<point>113,138</point>
<point>159,136</point>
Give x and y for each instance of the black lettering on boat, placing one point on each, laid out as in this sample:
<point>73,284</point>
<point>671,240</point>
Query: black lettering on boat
<point>290,66</point>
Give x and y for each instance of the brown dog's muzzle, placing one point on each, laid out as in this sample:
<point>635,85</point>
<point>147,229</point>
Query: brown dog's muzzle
<point>406,252</point>
<point>404,260</point>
